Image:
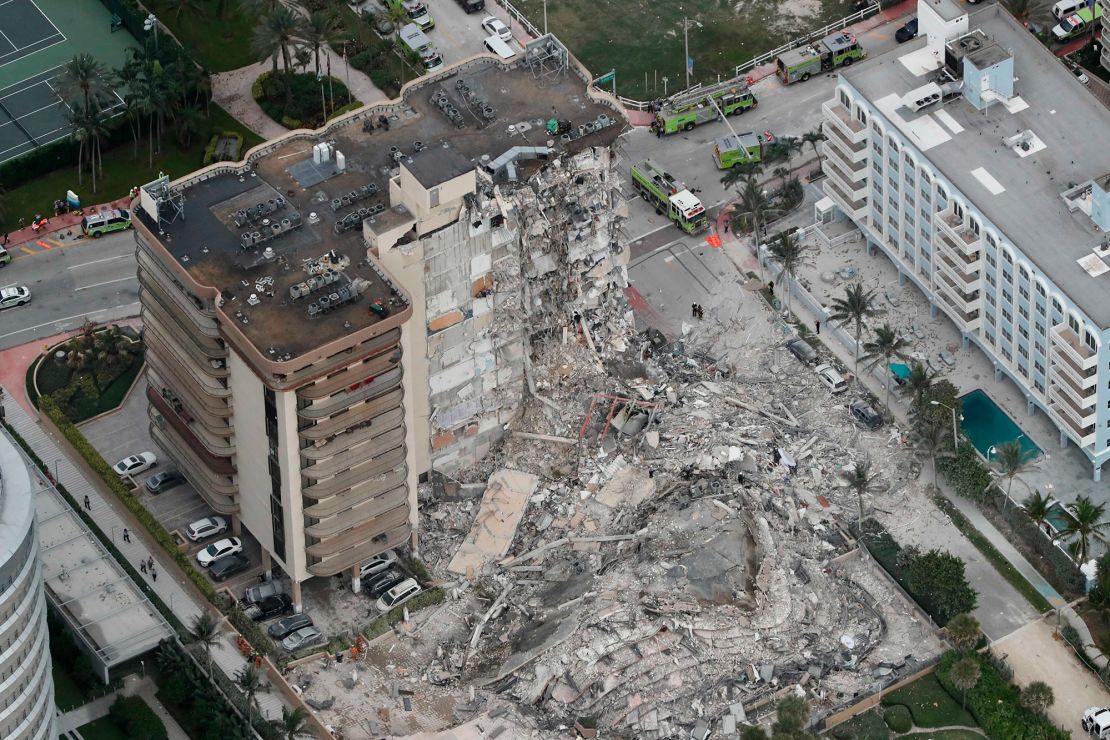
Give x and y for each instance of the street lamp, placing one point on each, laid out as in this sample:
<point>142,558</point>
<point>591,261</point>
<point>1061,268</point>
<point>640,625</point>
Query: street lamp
<point>955,436</point>
<point>150,25</point>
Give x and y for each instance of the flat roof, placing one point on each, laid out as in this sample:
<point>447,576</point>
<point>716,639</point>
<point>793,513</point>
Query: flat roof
<point>946,9</point>
<point>1020,195</point>
<point>207,242</point>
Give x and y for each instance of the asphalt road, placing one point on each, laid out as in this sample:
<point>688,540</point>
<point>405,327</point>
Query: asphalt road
<point>92,278</point>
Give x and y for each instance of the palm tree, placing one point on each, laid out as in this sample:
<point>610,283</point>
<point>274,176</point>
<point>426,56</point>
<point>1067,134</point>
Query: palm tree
<point>737,176</point>
<point>82,80</point>
<point>193,6</point>
<point>273,36</point>
<point>813,138</point>
<point>1086,523</point>
<point>1036,508</point>
<point>860,479</point>
<point>206,631</point>
<point>1037,697</point>
<point>249,680</point>
<point>782,173</point>
<point>856,306</point>
<point>933,441</point>
<point>790,254</point>
<point>886,347</point>
<point>791,715</point>
<point>1029,11</point>
<point>321,30</point>
<point>964,674</point>
<point>963,631</point>
<point>190,123</point>
<point>1009,462</point>
<point>293,724</point>
<point>753,208</point>
<point>89,125</point>
<point>918,383</point>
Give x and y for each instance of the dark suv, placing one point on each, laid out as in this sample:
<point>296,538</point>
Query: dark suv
<point>223,568</point>
<point>802,349</point>
<point>863,413</point>
<point>282,628</point>
<point>270,607</point>
<point>472,6</point>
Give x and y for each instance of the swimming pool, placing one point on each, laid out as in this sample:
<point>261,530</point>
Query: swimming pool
<point>1058,518</point>
<point>986,426</point>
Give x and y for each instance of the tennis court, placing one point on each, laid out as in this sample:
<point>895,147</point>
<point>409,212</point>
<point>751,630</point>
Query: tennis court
<point>36,38</point>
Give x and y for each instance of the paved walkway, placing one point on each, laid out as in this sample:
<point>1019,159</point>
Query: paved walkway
<point>132,686</point>
<point>232,90</point>
<point>111,517</point>
<point>54,224</point>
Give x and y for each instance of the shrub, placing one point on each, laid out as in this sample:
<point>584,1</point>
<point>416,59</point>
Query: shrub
<point>210,150</point>
<point>355,105</point>
<point>302,104</point>
<point>898,718</point>
<point>290,123</point>
<point>966,473</point>
<point>136,719</point>
<point>995,704</point>
<point>382,624</point>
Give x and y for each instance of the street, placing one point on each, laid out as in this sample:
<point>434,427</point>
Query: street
<point>92,278</point>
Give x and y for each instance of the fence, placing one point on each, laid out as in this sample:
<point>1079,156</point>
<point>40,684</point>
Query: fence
<point>740,69</point>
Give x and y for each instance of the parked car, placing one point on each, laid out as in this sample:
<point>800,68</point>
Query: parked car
<point>5,258</point>
<point>228,546</point>
<point>398,595</point>
<point>472,6</point>
<point>282,628</point>
<point>257,593</point>
<point>98,224</point>
<point>383,582</point>
<point>164,481</point>
<point>209,526</point>
<point>270,607</point>
<point>302,638</point>
<point>831,379</point>
<point>865,414</point>
<point>136,464</point>
<point>907,32</point>
<point>1088,721</point>
<point>14,296</point>
<point>494,27</point>
<point>1081,75</point>
<point>803,350</point>
<point>378,563</point>
<point>225,567</point>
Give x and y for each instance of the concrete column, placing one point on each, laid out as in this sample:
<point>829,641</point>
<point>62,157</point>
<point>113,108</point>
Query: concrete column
<point>298,607</point>
<point>870,248</point>
<point>1063,438</point>
<point>267,564</point>
<point>236,525</point>
<point>1030,406</point>
<point>965,340</point>
<point>933,310</point>
<point>901,278</point>
<point>998,377</point>
<point>1097,476</point>
<point>356,579</point>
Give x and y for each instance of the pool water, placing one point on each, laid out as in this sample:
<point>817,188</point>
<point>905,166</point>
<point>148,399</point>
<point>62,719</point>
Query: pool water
<point>1058,518</point>
<point>986,425</point>
<point>900,370</point>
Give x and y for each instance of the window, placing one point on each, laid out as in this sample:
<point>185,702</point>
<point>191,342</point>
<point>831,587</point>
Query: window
<point>1040,387</point>
<point>1040,290</point>
<point>1007,354</point>
<point>975,226</point>
<point>990,282</point>
<point>1023,332</point>
<point>1038,367</point>
<point>1040,310</point>
<point>1007,258</point>
<point>1038,348</point>
<point>877,145</point>
<point>1073,323</point>
<point>1039,327</point>
<point>958,210</point>
<point>990,320</point>
<point>1089,338</point>
<point>844,100</point>
<point>1056,306</point>
<point>893,183</point>
<point>1007,296</point>
<point>1023,311</point>
<point>1023,292</point>
<point>990,299</point>
<point>1024,272</point>
<point>990,260</point>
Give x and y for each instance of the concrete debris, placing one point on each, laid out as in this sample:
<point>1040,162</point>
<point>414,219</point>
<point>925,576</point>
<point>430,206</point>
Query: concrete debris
<point>502,508</point>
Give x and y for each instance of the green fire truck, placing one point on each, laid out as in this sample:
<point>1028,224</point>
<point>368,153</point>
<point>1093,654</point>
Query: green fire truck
<point>682,111</point>
<point>798,65</point>
<point>669,196</point>
<point>734,149</point>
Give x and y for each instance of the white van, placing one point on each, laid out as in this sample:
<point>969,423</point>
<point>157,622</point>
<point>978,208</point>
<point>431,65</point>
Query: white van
<point>1064,8</point>
<point>499,47</point>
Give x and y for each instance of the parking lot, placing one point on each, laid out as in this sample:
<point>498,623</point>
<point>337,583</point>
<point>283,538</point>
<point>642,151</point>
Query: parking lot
<point>126,432</point>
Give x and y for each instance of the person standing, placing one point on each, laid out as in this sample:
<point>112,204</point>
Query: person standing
<point>126,535</point>
<point>142,566</point>
<point>817,325</point>
<point>88,504</point>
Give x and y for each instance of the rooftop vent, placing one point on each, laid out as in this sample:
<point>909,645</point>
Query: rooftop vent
<point>1024,143</point>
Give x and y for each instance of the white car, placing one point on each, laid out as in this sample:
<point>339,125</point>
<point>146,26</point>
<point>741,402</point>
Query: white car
<point>831,379</point>
<point>377,564</point>
<point>494,27</point>
<point>398,595</point>
<point>16,295</point>
<point>135,464</point>
<point>207,527</point>
<point>303,637</point>
<point>1081,75</point>
<point>217,550</point>
<point>1089,715</point>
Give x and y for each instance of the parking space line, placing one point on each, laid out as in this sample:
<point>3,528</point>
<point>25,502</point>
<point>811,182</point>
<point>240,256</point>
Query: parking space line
<point>96,262</point>
<point>107,282</point>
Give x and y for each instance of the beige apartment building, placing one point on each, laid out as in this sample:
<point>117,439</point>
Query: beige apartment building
<point>329,318</point>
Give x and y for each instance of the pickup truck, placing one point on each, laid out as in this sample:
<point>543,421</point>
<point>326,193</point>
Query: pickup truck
<point>472,6</point>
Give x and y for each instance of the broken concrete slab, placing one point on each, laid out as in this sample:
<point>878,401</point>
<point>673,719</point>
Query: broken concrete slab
<point>494,527</point>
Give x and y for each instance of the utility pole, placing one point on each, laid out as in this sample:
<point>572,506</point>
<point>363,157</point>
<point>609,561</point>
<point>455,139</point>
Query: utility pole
<point>686,61</point>
<point>544,17</point>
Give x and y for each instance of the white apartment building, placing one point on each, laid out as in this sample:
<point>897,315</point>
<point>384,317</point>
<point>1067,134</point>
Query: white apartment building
<point>975,162</point>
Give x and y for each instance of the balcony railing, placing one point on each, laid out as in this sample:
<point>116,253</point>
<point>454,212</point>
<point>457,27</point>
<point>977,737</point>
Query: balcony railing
<point>1074,348</point>
<point>354,417</point>
<point>371,449</point>
<point>361,511</point>
<point>963,238</point>
<point>357,393</point>
<point>219,492</point>
<point>855,188</point>
<point>967,319</point>
<point>376,425</point>
<point>361,551</point>
<point>220,464</point>
<point>855,168</point>
<point>843,119</point>
<point>854,208</point>
<point>1083,401</point>
<point>954,269</point>
<point>372,474</point>
<point>1084,436</point>
<point>358,495</point>
<point>850,150</point>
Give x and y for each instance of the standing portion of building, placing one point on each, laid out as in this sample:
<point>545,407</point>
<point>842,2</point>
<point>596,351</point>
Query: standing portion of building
<point>301,387</point>
<point>966,158</point>
<point>26,687</point>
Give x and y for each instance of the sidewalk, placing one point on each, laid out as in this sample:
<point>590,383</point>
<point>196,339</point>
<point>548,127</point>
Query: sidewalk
<point>133,686</point>
<point>111,517</point>
<point>58,223</point>
<point>742,256</point>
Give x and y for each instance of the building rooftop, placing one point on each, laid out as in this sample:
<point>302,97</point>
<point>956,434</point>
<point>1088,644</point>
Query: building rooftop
<point>1016,184</point>
<point>946,9</point>
<point>311,202</point>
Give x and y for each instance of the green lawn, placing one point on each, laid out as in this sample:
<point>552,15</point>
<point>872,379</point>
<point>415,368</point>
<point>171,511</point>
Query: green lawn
<point>866,726</point>
<point>102,729</point>
<point>644,40</point>
<point>943,735</point>
<point>217,43</point>
<point>67,694</point>
<point>930,704</point>
<point>122,171</point>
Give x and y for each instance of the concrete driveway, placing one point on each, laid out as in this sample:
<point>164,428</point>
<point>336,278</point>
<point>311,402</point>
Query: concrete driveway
<point>1036,654</point>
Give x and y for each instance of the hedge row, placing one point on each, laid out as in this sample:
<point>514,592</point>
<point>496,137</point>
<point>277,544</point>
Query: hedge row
<point>354,105</point>
<point>384,623</point>
<point>259,641</point>
<point>995,704</point>
<point>210,150</point>
<point>136,719</point>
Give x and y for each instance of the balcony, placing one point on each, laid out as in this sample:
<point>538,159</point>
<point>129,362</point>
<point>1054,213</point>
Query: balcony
<point>386,359</point>
<point>373,474</point>
<point>219,463</point>
<point>1084,436</point>
<point>344,517</point>
<point>954,269</point>
<point>329,365</point>
<point>1081,399</point>
<point>851,206</point>
<point>170,315</point>
<point>168,404</point>
<point>218,491</point>
<point>845,148</point>
<point>965,298</point>
<point>842,119</point>
<point>963,238</point>
<point>1074,348</point>
<point>359,532</point>
<point>853,170</point>
<point>360,495</point>
<point>341,561</point>
<point>154,275</point>
<point>853,187</point>
<point>353,418</point>
<point>358,393</point>
<point>203,383</point>
<point>966,319</point>
<point>201,404</point>
<point>343,441</point>
<point>372,449</point>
